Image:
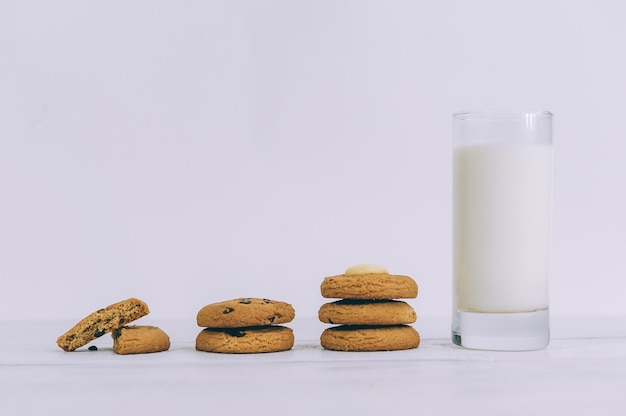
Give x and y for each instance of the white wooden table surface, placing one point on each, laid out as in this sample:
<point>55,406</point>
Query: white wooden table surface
<point>583,371</point>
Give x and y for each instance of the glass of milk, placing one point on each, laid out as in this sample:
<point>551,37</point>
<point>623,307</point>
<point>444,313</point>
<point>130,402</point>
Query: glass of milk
<point>502,209</point>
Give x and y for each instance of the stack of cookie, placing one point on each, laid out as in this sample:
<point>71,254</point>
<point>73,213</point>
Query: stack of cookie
<point>245,325</point>
<point>368,316</point>
<point>135,339</point>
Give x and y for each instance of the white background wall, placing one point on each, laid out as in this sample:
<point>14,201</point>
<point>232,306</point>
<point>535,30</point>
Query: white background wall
<point>186,152</point>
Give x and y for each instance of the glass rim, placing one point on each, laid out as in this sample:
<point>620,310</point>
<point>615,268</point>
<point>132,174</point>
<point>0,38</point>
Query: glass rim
<point>499,114</point>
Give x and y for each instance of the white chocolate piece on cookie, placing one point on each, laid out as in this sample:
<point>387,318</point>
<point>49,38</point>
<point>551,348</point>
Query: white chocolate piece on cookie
<point>365,269</point>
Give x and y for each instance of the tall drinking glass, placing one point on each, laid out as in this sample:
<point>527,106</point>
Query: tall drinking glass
<point>502,174</point>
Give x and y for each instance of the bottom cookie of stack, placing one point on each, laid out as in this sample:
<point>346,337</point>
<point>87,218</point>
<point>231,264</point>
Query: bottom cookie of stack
<point>370,338</point>
<point>248,340</point>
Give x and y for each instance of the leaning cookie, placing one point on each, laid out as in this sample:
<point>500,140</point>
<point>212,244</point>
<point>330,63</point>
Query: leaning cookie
<point>244,312</point>
<point>139,339</point>
<point>369,286</point>
<point>370,338</point>
<point>101,322</point>
<point>367,312</point>
<point>245,340</point>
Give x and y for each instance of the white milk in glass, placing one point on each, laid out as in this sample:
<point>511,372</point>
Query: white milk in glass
<point>502,211</point>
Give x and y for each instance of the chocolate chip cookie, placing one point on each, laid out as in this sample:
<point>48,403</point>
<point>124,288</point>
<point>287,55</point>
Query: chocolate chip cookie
<point>101,322</point>
<point>247,340</point>
<point>139,339</point>
<point>244,312</point>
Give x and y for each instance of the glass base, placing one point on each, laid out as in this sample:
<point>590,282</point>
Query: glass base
<point>521,331</point>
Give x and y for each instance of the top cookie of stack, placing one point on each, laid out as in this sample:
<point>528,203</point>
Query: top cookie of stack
<point>369,317</point>
<point>369,281</point>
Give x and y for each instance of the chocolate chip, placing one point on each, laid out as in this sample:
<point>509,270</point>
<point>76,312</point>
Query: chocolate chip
<point>227,311</point>
<point>234,332</point>
<point>272,318</point>
<point>330,321</point>
<point>267,301</point>
<point>93,348</point>
<point>122,320</point>
<point>245,301</point>
<point>98,333</point>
